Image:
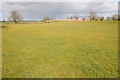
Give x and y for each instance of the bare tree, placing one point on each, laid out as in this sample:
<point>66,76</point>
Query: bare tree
<point>76,18</point>
<point>83,19</point>
<point>45,19</point>
<point>93,15</point>
<point>72,18</point>
<point>118,16</point>
<point>67,18</point>
<point>115,17</point>
<point>15,16</point>
<point>101,18</point>
<point>108,18</point>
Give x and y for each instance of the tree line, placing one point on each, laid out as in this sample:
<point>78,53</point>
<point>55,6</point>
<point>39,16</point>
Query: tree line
<point>15,16</point>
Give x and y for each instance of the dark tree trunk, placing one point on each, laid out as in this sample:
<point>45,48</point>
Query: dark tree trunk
<point>15,21</point>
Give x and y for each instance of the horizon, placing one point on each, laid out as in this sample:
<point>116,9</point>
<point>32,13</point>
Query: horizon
<point>58,10</point>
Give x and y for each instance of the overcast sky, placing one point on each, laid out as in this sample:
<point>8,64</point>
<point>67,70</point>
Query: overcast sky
<point>60,0</point>
<point>59,9</point>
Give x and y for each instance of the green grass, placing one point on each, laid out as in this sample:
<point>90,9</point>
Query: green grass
<point>61,50</point>
<point>0,51</point>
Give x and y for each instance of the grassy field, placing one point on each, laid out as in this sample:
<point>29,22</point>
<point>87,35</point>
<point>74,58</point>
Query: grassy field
<point>61,50</point>
<point>0,51</point>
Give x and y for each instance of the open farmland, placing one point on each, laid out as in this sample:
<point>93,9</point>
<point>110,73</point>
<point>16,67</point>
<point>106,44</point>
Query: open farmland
<point>61,50</point>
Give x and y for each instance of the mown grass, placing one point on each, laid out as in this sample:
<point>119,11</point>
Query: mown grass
<point>61,50</point>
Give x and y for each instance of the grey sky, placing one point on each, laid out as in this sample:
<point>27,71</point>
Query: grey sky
<point>60,0</point>
<point>59,10</point>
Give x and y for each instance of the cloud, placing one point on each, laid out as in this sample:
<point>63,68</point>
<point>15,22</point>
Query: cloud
<point>60,0</point>
<point>59,10</point>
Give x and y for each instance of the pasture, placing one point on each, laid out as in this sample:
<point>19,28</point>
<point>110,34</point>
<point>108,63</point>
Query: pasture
<point>60,50</point>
